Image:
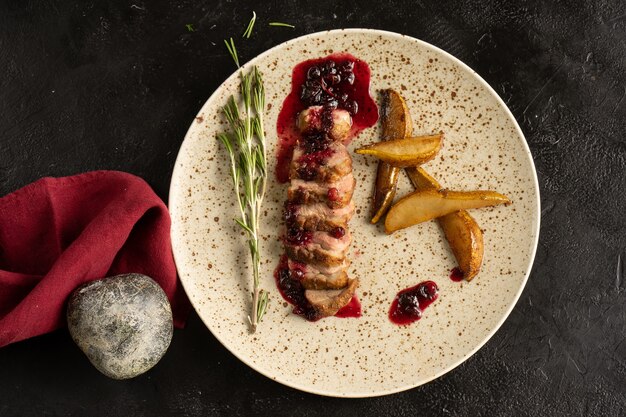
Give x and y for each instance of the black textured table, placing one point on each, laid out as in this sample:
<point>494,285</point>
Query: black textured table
<point>90,85</point>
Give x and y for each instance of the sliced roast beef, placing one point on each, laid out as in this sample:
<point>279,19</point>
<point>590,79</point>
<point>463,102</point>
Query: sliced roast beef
<point>312,278</point>
<point>325,282</point>
<point>327,165</point>
<point>337,122</point>
<point>334,195</point>
<point>329,302</point>
<point>319,217</point>
<point>318,269</point>
<point>319,248</point>
<point>317,212</point>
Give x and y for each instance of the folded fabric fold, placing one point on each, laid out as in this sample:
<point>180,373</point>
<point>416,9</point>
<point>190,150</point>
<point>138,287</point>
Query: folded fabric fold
<point>58,233</point>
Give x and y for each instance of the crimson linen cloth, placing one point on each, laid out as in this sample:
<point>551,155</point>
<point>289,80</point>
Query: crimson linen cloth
<point>58,233</point>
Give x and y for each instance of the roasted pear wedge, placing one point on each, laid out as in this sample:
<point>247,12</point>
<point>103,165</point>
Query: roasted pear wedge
<point>466,241</point>
<point>422,206</point>
<point>396,124</point>
<point>461,230</point>
<point>407,152</point>
<point>421,179</point>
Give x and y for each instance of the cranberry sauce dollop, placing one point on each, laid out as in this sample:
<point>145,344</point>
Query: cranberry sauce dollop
<point>410,303</point>
<point>290,287</point>
<point>456,274</point>
<point>294,235</point>
<point>337,81</point>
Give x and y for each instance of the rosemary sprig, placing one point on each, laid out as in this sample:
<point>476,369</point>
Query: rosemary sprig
<point>232,51</point>
<point>287,25</point>
<point>248,31</point>
<point>245,144</point>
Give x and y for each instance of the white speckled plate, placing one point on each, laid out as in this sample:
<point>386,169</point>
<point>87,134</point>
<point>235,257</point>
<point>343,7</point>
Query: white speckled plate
<point>483,149</point>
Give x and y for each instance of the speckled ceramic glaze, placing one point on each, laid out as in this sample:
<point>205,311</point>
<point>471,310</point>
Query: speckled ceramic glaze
<point>483,149</point>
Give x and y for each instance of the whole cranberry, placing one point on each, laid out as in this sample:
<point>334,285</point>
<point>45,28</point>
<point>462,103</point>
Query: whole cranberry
<point>408,304</point>
<point>332,194</point>
<point>313,73</point>
<point>297,274</point>
<point>428,290</point>
<point>338,232</point>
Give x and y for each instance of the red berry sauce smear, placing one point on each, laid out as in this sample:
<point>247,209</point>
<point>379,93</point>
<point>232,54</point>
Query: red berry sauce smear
<point>337,81</point>
<point>292,290</point>
<point>410,303</point>
<point>352,309</point>
<point>456,274</point>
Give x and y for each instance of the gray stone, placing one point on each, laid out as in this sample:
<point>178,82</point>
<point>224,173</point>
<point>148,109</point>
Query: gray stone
<point>122,323</point>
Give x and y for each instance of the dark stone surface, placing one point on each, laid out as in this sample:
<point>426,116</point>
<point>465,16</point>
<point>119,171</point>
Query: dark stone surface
<point>122,323</point>
<point>114,84</point>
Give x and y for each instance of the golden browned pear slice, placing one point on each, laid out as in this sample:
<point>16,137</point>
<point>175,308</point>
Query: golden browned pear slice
<point>384,190</point>
<point>461,230</point>
<point>466,241</point>
<point>396,124</point>
<point>421,179</point>
<point>421,206</point>
<point>406,152</point>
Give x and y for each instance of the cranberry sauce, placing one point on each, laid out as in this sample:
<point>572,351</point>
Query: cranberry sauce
<point>410,303</point>
<point>290,213</point>
<point>456,274</point>
<point>317,153</point>
<point>352,309</point>
<point>291,289</point>
<point>316,158</point>
<point>297,236</point>
<point>336,81</point>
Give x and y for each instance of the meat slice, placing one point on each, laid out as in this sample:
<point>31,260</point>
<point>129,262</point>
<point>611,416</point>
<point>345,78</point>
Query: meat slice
<point>324,282</point>
<point>334,195</point>
<point>331,243</point>
<point>322,249</point>
<point>328,165</point>
<point>312,119</point>
<point>319,217</point>
<point>318,269</point>
<point>312,278</point>
<point>329,302</point>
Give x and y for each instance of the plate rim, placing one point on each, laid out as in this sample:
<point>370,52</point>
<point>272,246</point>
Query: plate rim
<point>515,299</point>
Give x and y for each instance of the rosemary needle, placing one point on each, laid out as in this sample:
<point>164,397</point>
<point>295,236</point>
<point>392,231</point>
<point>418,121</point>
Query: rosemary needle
<point>232,51</point>
<point>287,25</point>
<point>248,31</point>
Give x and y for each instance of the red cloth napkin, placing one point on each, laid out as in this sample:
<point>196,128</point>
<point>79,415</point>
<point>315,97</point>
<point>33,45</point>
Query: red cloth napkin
<point>58,233</point>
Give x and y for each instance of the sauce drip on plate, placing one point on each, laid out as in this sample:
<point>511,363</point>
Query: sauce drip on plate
<point>456,274</point>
